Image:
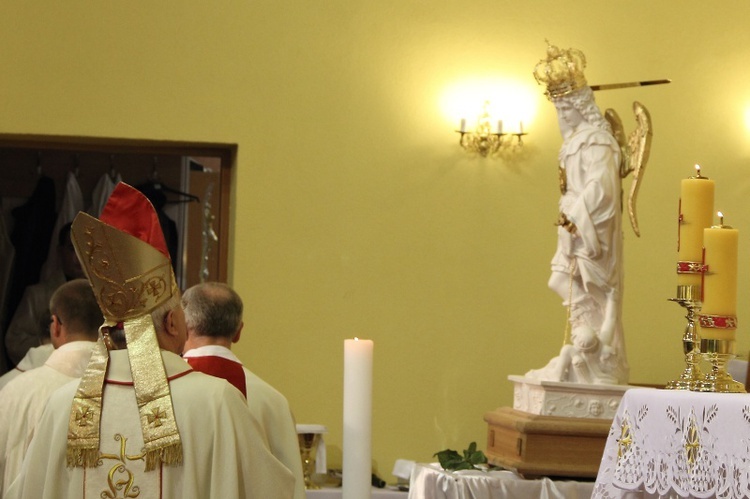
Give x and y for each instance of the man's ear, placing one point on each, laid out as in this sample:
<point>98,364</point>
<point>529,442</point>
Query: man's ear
<point>238,333</point>
<point>55,328</point>
<point>169,324</point>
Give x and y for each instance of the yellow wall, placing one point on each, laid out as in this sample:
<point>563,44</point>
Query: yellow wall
<point>355,212</point>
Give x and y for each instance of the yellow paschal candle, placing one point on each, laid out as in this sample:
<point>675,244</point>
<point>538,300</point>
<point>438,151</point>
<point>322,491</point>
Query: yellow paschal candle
<point>720,281</point>
<point>696,213</point>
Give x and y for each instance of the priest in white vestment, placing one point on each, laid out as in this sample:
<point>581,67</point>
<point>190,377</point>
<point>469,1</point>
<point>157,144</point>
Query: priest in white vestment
<point>213,314</point>
<point>35,357</point>
<point>74,329</point>
<point>141,422</point>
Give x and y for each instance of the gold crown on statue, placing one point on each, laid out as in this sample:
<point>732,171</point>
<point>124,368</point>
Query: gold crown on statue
<point>561,71</point>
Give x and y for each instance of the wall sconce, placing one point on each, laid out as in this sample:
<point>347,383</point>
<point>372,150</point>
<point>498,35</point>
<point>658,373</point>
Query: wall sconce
<point>484,140</point>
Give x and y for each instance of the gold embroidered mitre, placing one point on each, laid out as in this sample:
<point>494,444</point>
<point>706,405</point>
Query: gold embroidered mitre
<point>125,259</point>
<point>130,277</point>
<point>561,71</point>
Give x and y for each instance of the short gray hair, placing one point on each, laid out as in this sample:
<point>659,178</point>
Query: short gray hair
<point>212,309</point>
<point>159,314</point>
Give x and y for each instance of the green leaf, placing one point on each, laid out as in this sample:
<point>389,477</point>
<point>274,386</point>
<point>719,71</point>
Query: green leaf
<point>471,450</point>
<point>477,457</point>
<point>452,460</point>
<point>448,458</point>
<point>463,465</point>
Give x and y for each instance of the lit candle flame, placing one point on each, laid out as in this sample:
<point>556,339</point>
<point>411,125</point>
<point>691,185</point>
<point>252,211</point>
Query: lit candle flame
<point>698,170</point>
<point>721,217</point>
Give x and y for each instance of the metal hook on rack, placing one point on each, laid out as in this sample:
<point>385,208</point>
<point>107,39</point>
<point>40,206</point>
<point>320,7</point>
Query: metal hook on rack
<point>76,165</point>
<point>112,170</point>
<point>155,171</point>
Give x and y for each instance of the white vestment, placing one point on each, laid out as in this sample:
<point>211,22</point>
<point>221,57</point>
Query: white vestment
<point>24,398</point>
<point>272,410</point>
<point>225,454</point>
<point>35,357</point>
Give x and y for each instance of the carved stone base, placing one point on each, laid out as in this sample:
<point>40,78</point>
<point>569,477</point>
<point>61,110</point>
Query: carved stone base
<point>576,400</point>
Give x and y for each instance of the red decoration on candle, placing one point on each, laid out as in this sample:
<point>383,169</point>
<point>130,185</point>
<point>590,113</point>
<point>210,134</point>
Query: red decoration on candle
<point>691,268</point>
<point>718,321</point>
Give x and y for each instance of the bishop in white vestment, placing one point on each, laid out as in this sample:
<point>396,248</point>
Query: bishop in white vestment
<point>141,422</point>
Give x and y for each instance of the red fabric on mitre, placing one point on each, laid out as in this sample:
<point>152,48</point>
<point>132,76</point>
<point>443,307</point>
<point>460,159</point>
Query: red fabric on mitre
<point>128,210</point>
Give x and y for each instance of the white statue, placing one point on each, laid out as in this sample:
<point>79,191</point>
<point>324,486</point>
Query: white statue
<point>587,270</point>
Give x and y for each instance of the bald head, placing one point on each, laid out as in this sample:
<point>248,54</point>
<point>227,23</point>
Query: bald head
<point>212,309</point>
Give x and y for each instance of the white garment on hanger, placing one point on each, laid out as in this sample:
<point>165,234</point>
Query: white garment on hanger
<point>71,205</point>
<point>100,195</point>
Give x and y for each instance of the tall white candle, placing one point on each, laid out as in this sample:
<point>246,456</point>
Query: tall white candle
<point>463,124</point>
<point>357,458</point>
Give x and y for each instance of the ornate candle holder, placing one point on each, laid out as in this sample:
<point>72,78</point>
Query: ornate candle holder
<point>718,353</point>
<point>717,318</point>
<point>688,296</point>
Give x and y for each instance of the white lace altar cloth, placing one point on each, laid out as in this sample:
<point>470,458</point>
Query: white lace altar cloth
<point>674,443</point>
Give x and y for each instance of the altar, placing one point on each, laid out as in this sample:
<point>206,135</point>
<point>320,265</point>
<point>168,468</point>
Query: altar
<point>430,481</point>
<point>679,444</point>
<point>336,493</point>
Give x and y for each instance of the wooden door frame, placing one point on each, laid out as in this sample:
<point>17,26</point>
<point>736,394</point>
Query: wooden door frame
<point>227,153</point>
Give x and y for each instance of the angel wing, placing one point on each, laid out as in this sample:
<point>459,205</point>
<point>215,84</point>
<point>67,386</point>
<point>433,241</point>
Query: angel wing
<point>635,152</point>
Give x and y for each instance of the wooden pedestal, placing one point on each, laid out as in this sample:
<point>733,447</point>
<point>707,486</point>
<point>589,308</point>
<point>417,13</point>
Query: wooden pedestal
<point>534,445</point>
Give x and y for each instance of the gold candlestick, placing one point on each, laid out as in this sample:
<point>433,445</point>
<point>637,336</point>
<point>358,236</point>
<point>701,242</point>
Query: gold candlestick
<point>688,296</point>
<point>718,353</point>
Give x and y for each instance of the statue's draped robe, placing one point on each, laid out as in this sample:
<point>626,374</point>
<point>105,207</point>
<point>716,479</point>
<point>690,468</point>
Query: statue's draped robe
<point>590,159</point>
